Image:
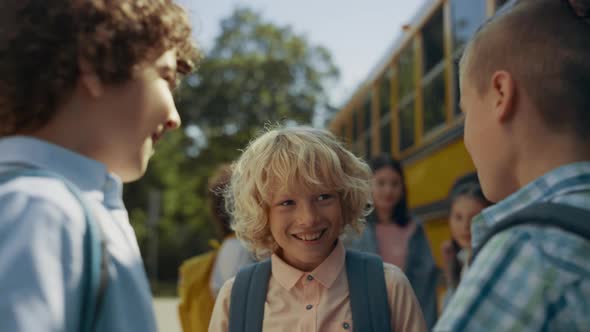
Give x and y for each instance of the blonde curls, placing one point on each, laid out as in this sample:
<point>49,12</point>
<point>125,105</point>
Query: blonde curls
<point>283,157</point>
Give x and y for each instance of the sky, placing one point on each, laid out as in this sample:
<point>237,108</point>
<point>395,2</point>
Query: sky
<point>357,33</point>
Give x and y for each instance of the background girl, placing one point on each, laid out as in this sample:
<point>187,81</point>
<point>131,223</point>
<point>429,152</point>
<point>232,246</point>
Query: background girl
<point>399,239</point>
<point>467,200</point>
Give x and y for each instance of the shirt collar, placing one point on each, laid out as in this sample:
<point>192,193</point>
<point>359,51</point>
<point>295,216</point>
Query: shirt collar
<point>326,273</point>
<point>89,175</point>
<point>558,182</point>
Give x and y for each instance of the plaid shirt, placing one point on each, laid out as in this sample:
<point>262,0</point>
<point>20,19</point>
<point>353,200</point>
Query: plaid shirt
<point>528,278</point>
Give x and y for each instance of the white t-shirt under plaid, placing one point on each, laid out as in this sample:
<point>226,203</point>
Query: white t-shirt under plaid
<point>528,278</point>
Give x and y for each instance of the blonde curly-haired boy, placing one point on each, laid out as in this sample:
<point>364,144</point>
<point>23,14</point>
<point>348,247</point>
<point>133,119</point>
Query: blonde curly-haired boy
<point>292,194</point>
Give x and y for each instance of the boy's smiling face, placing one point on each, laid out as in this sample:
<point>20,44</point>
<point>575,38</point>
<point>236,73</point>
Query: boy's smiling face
<point>305,225</point>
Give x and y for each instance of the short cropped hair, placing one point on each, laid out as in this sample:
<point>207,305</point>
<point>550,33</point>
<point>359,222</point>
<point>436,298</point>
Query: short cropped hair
<point>43,41</point>
<point>282,157</point>
<point>544,45</point>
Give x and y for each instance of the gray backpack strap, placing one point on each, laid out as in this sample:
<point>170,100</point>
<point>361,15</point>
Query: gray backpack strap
<point>96,258</point>
<point>565,217</point>
<point>368,292</point>
<point>248,294</point>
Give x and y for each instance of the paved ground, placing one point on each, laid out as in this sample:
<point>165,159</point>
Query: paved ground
<point>167,314</point>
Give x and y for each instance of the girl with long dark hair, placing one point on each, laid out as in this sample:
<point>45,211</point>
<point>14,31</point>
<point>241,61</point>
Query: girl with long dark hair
<point>398,238</point>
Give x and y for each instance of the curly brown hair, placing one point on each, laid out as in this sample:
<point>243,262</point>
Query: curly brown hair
<point>43,41</point>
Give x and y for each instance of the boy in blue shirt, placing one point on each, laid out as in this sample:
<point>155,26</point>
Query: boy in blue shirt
<point>524,82</point>
<point>85,94</point>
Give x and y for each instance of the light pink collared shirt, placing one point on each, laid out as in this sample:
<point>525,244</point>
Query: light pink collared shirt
<point>319,300</point>
<point>392,241</point>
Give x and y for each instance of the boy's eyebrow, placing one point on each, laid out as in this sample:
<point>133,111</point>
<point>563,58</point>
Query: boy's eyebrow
<point>279,197</point>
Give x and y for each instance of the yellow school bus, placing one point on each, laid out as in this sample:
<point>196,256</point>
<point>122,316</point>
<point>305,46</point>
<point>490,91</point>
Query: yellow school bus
<point>408,107</point>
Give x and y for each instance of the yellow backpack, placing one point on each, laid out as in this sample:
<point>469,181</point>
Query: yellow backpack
<point>196,300</point>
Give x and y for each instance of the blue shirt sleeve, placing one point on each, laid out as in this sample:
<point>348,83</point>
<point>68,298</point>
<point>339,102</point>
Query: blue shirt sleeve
<point>41,259</point>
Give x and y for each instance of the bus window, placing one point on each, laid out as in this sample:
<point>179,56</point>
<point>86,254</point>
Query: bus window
<point>467,15</point>
<point>434,69</point>
<point>367,125</point>
<point>406,72</point>
<point>434,101</point>
<point>407,93</point>
<point>360,138</point>
<point>385,112</point>
<point>433,41</point>
<point>406,121</point>
<point>367,115</point>
<point>385,132</point>
<point>385,95</point>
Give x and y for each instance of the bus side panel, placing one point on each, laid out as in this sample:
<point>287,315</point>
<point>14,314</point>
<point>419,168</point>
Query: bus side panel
<point>429,180</point>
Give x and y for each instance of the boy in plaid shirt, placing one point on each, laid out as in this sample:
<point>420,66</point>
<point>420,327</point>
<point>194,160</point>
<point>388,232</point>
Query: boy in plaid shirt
<point>524,82</point>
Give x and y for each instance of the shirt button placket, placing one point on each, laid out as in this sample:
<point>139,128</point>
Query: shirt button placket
<point>311,296</point>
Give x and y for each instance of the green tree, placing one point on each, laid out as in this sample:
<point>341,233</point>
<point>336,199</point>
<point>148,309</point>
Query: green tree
<point>256,73</point>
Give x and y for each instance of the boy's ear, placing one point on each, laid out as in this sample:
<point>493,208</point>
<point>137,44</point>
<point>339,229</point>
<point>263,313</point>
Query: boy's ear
<point>503,92</point>
<point>90,80</point>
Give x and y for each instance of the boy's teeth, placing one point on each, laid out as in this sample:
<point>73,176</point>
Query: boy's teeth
<point>309,236</point>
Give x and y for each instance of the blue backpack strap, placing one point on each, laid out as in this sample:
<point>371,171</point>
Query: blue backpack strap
<point>248,294</point>
<point>368,292</point>
<point>566,217</point>
<point>95,273</point>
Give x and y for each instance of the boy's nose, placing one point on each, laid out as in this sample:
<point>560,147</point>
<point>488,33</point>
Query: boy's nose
<point>307,215</point>
<point>173,121</point>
